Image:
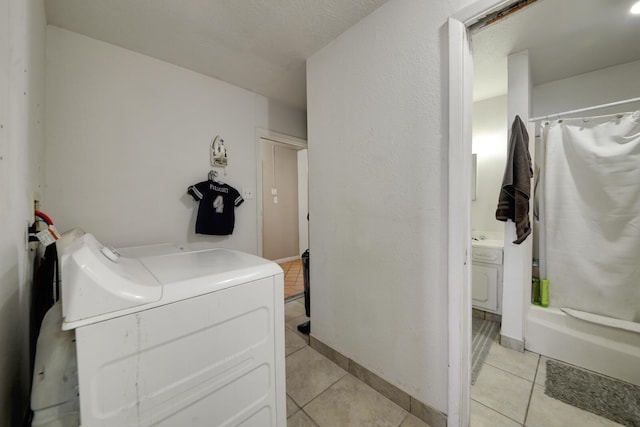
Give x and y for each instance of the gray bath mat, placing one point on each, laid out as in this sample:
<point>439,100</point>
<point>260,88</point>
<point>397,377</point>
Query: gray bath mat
<point>483,334</point>
<point>604,396</point>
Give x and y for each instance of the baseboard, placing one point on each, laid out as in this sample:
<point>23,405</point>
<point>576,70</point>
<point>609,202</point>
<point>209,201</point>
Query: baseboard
<point>426,413</point>
<point>291,258</point>
<point>486,315</point>
<point>512,343</point>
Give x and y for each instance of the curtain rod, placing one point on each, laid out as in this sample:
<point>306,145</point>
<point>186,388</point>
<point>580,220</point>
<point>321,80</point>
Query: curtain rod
<point>584,110</point>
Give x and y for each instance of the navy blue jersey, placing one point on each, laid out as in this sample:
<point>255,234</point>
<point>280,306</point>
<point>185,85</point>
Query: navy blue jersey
<point>217,204</point>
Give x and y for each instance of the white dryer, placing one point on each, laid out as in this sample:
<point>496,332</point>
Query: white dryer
<point>177,337</point>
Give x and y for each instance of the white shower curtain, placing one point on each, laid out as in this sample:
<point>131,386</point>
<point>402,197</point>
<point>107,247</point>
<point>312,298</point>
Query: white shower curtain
<point>591,194</point>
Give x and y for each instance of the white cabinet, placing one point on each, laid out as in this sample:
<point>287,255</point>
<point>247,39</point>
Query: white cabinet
<point>180,337</point>
<point>484,289</point>
<point>486,279</point>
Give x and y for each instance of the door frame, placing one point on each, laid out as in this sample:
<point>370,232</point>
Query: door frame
<point>278,138</point>
<point>459,207</point>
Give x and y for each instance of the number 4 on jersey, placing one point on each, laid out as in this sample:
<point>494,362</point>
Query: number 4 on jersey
<point>218,204</point>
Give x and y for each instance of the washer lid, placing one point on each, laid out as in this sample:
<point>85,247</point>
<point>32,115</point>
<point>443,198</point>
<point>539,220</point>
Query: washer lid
<point>96,281</point>
<point>98,284</point>
<point>151,250</point>
<point>198,272</point>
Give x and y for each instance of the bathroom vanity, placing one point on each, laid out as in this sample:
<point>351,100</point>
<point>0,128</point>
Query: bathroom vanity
<point>486,274</point>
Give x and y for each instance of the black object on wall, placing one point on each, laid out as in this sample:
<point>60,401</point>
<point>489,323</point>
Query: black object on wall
<point>46,279</point>
<point>305,327</point>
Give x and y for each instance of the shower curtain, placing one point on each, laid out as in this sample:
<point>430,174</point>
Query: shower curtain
<point>591,198</point>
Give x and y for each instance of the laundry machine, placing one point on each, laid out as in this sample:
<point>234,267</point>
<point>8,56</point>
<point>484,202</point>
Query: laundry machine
<point>54,396</point>
<point>175,336</point>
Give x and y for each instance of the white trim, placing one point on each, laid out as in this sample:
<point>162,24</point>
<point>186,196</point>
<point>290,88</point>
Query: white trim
<point>512,343</point>
<point>278,138</point>
<point>459,208</point>
<point>281,138</point>
<point>459,230</point>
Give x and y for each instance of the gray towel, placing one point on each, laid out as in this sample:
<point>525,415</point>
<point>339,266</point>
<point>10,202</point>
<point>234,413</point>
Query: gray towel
<point>513,202</point>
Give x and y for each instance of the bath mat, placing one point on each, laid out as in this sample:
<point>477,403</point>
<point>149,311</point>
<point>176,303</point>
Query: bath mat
<point>610,398</point>
<point>483,334</point>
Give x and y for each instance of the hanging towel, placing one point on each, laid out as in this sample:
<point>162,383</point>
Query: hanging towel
<point>513,202</point>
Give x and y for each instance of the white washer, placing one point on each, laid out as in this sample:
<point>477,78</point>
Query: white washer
<point>193,338</point>
<point>54,396</point>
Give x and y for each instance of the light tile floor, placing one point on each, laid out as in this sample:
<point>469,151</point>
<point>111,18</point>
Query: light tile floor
<point>509,391</point>
<point>322,394</point>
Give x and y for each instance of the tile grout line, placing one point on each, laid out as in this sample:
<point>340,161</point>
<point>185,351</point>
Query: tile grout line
<point>325,390</point>
<point>309,416</point>
<point>295,403</point>
<point>526,414</point>
<point>511,373</point>
<point>532,383</point>
<point>405,418</point>
<point>500,413</point>
<point>294,352</point>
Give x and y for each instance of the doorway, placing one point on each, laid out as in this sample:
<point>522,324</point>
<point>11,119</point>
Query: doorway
<point>282,197</point>
<point>279,201</point>
<point>552,94</point>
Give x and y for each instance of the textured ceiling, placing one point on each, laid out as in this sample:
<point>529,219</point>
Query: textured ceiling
<point>260,45</point>
<point>564,38</point>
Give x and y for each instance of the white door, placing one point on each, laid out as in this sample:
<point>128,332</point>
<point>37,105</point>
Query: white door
<point>280,232</point>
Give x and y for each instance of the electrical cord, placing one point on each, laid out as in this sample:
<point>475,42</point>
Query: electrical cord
<point>44,216</point>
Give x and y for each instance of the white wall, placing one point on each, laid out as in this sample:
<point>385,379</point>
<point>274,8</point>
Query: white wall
<point>378,195</point>
<point>589,89</point>
<point>516,258</point>
<point>128,134</point>
<point>490,142</point>
<point>22,66</point>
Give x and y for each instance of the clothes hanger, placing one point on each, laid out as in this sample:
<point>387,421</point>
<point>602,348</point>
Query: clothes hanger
<point>213,176</point>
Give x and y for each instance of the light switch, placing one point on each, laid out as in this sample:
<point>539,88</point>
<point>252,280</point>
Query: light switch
<point>274,191</point>
<point>275,200</point>
<point>248,193</point>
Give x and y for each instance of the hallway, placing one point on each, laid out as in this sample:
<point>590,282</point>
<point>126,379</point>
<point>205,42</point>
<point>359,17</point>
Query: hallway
<point>293,278</point>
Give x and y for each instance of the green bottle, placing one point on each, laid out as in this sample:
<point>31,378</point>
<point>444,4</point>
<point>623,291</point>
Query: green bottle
<point>535,292</point>
<point>544,293</point>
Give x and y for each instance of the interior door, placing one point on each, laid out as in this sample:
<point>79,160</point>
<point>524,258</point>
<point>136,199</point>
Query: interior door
<point>280,233</point>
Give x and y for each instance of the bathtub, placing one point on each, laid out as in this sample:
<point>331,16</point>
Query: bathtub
<point>609,351</point>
